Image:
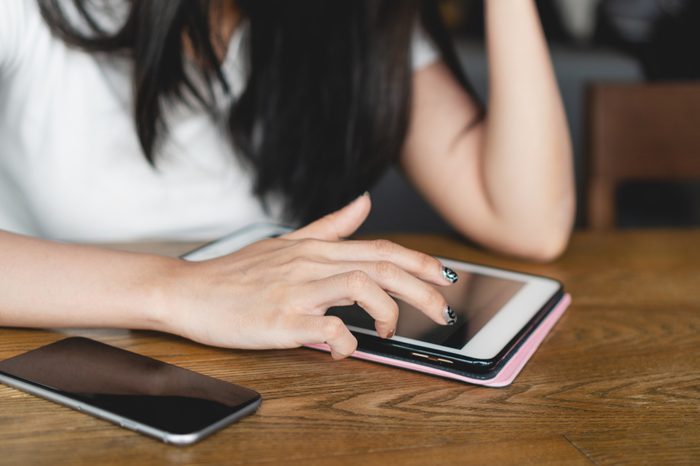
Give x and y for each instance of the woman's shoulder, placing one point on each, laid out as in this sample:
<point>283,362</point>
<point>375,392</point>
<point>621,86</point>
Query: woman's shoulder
<point>17,19</point>
<point>23,28</point>
<point>15,13</point>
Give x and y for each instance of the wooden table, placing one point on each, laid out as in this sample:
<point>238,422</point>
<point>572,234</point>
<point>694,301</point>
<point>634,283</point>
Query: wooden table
<point>617,381</point>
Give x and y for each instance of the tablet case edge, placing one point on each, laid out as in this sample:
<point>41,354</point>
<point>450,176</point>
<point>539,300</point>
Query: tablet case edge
<point>503,377</point>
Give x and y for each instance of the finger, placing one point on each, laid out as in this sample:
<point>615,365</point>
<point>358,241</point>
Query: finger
<point>326,329</point>
<point>337,225</point>
<point>354,287</point>
<point>398,283</point>
<point>416,263</point>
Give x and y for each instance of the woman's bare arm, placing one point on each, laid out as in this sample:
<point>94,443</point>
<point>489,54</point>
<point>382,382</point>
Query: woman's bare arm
<point>48,284</point>
<point>508,181</point>
<point>271,294</point>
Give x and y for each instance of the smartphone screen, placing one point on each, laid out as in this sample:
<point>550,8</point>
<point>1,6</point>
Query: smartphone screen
<point>135,391</point>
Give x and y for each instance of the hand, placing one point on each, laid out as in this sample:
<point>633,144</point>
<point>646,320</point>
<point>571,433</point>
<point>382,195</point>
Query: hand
<point>274,293</point>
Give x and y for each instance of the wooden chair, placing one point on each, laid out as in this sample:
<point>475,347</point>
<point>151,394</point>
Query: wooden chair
<point>639,132</point>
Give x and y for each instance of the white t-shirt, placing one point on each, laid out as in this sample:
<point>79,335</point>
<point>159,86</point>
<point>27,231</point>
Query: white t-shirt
<point>71,167</point>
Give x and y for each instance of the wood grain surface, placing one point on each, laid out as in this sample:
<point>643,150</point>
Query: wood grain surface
<point>616,382</point>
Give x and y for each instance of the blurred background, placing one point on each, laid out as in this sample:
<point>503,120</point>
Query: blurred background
<point>628,72</point>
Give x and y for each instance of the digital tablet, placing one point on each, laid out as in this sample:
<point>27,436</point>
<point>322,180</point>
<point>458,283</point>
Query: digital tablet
<point>502,317</point>
<point>494,308</point>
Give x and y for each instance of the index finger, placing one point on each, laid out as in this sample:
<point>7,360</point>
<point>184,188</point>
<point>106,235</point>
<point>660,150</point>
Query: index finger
<point>421,265</point>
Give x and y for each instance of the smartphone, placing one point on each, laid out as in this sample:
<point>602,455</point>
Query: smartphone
<point>173,404</point>
<point>496,309</point>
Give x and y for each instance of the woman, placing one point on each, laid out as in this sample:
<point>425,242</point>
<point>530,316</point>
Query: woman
<point>186,119</point>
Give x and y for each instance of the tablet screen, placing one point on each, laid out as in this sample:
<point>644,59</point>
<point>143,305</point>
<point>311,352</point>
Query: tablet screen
<point>475,298</point>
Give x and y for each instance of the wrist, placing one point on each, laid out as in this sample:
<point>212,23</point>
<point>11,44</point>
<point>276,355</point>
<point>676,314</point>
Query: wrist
<point>160,291</point>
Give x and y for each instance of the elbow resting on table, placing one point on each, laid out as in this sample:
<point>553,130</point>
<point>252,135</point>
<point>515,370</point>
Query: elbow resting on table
<point>547,239</point>
<point>545,247</point>
<point>542,241</point>
<point>543,233</point>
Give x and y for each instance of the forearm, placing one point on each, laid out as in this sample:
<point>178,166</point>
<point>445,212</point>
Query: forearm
<point>47,284</point>
<point>526,144</point>
<point>271,294</point>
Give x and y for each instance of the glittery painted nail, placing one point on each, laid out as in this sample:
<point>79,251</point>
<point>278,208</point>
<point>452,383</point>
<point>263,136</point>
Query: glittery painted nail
<point>449,315</point>
<point>450,275</point>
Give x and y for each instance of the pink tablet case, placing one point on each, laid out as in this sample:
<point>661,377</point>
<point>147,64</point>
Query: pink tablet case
<point>502,378</point>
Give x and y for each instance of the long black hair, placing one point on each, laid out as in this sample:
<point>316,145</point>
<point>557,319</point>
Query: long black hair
<point>326,107</point>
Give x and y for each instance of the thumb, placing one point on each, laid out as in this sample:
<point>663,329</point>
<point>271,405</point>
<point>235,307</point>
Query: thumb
<point>339,224</point>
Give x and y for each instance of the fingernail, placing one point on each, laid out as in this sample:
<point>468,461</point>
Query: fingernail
<point>390,334</point>
<point>450,275</point>
<point>449,315</point>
